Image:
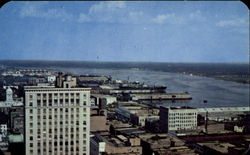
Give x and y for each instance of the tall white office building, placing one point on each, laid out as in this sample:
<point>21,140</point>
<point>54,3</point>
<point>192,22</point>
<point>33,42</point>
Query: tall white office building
<point>57,121</point>
<point>178,118</point>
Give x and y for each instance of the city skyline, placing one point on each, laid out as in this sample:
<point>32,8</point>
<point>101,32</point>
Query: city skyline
<point>125,31</point>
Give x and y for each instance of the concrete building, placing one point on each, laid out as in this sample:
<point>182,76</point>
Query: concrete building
<point>3,137</point>
<point>140,119</point>
<point>65,81</point>
<point>98,119</point>
<point>57,120</point>
<point>9,102</point>
<point>163,144</point>
<point>223,113</point>
<point>17,120</point>
<point>35,80</point>
<point>51,78</point>
<point>177,118</point>
<point>104,143</point>
<point>16,144</point>
<point>103,99</point>
<point>214,147</point>
<point>136,113</point>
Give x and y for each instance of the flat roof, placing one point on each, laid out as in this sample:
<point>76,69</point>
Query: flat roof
<point>223,109</point>
<point>52,88</point>
<point>177,107</point>
<point>221,147</point>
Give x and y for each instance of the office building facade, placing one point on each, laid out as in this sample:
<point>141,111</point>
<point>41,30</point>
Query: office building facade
<point>57,121</point>
<point>177,118</point>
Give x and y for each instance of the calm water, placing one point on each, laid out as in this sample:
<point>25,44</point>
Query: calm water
<point>218,93</point>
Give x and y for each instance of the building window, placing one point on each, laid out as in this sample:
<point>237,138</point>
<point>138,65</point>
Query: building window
<point>38,103</point>
<point>44,103</point>
<point>31,104</point>
<point>61,102</point>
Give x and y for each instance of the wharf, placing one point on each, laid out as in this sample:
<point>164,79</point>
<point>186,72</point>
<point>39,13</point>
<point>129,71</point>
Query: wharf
<point>161,96</point>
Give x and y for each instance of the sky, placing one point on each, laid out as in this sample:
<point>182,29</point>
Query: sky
<point>166,31</point>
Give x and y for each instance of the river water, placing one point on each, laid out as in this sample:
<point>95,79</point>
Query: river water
<point>218,93</point>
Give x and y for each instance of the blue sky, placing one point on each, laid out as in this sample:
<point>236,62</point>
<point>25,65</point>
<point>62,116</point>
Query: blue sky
<point>126,31</point>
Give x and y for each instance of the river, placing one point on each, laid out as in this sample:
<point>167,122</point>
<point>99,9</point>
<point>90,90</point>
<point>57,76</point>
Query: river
<point>218,93</point>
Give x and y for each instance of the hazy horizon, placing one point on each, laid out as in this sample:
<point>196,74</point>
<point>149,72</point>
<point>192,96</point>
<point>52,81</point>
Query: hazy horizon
<point>98,61</point>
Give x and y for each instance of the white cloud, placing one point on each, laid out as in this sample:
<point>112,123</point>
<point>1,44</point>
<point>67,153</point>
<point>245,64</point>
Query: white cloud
<point>36,9</point>
<point>31,9</point>
<point>111,11</point>
<point>107,6</point>
<point>163,18</point>
<point>232,23</point>
<point>172,18</point>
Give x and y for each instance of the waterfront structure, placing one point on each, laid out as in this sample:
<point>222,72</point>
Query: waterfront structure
<point>93,79</point>
<point>27,72</point>
<point>57,120</point>
<point>160,96</point>
<point>177,118</point>
<point>223,113</point>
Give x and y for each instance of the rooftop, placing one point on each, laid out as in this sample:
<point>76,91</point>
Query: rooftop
<point>37,88</point>
<point>220,147</point>
<point>177,107</point>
